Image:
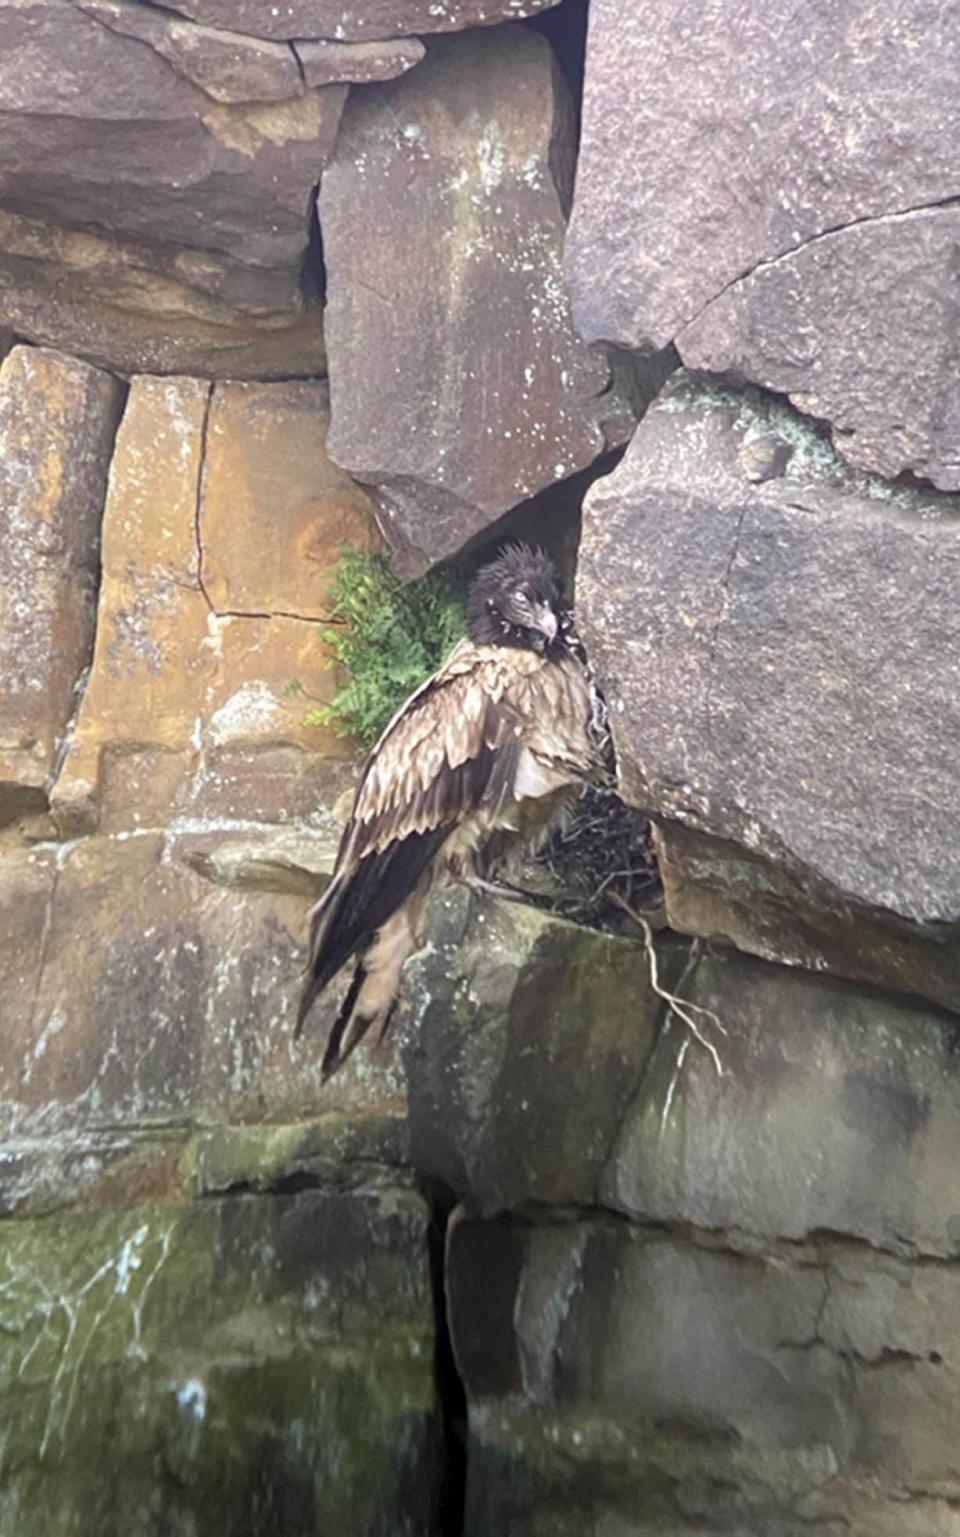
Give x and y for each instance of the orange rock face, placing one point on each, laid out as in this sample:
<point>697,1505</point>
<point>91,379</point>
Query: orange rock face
<point>221,530</point>
<point>274,510</point>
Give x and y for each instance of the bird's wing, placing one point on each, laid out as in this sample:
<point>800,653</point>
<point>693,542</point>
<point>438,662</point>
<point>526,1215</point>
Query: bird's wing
<point>447,751</point>
<point>451,750</point>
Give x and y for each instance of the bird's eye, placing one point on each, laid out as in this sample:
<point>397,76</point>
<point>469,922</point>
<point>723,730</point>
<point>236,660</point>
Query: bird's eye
<point>521,597</point>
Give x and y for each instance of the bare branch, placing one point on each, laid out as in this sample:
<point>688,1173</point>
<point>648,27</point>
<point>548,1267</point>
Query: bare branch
<point>682,1008</point>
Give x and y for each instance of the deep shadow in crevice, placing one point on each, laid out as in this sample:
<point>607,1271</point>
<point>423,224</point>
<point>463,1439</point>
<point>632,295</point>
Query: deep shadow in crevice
<point>313,271</point>
<point>565,28</point>
<point>550,519</point>
<point>451,1397</point>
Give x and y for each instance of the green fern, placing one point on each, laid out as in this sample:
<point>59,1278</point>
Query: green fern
<point>388,636</point>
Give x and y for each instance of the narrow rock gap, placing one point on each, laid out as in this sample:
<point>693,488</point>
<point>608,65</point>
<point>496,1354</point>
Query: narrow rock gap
<point>80,684</point>
<point>550,518</point>
<point>269,613</point>
<point>451,1398</point>
<point>299,63</point>
<point>313,268</point>
<point>565,28</point>
<point>198,505</point>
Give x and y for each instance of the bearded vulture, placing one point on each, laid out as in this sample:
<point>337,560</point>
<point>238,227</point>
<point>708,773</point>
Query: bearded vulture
<point>477,765</point>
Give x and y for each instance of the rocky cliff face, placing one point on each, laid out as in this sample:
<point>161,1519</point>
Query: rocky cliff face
<point>276,279</point>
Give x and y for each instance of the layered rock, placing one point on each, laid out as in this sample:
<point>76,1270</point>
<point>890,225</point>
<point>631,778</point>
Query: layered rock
<point>188,709</point>
<point>356,20</point>
<point>324,63</point>
<point>809,249</point>
<point>836,1112</point>
<point>716,887</point>
<point>695,1278</point>
<point>544,1071</point>
<point>57,423</point>
<point>137,307</point>
<point>734,582</point>
<point>674,1277</point>
<point>150,983</point>
<point>156,151</point>
<point>459,386</point>
<point>193,154</point>
<point>631,1381</point>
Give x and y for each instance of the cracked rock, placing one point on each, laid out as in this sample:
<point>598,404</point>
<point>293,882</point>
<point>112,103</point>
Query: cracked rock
<point>266,467</point>
<point>138,308</point>
<point>57,423</point>
<point>460,387</point>
<point>832,325</point>
<point>718,138</point>
<point>155,154</point>
<point>622,1379</point>
<point>780,658</point>
<point>187,711</point>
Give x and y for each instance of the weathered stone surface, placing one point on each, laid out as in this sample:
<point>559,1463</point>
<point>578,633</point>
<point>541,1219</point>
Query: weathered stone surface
<point>837,1111</point>
<point>527,1042</point>
<point>297,860</point>
<point>459,387</point>
<point>541,1070</point>
<point>141,995</point>
<point>239,1365</point>
<point>356,20</point>
<point>145,309</point>
<point>226,65</point>
<point>831,327</point>
<point>187,709</point>
<point>720,891</point>
<point>781,656</point>
<point>629,1382</point>
<point>191,209</point>
<point>57,423</point>
<point>325,63</point>
<point>268,485</point>
<point>718,139</point>
<point>155,155</point>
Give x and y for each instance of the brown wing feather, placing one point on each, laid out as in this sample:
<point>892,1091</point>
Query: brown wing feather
<point>466,712</point>
<point>452,748</point>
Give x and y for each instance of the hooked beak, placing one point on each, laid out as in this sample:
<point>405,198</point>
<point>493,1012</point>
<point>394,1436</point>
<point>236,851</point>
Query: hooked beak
<point>545,620</point>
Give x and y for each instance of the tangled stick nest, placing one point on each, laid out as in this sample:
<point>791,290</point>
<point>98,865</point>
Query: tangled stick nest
<point>602,857</point>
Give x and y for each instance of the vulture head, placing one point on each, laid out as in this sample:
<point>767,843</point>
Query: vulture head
<point>514,601</point>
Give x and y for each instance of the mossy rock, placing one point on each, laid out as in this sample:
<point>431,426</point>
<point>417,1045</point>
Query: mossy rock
<point>250,1366</point>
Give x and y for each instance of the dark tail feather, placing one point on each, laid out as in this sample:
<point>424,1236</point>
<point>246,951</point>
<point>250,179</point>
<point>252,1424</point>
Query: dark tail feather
<point>321,918</point>
<point>357,903</point>
<point>332,1058</point>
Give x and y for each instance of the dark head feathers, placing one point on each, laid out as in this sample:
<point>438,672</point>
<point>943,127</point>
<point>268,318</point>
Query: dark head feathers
<point>514,600</point>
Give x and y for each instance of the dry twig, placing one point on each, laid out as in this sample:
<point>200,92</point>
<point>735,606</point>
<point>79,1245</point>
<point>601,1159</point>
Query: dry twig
<point>683,1008</point>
